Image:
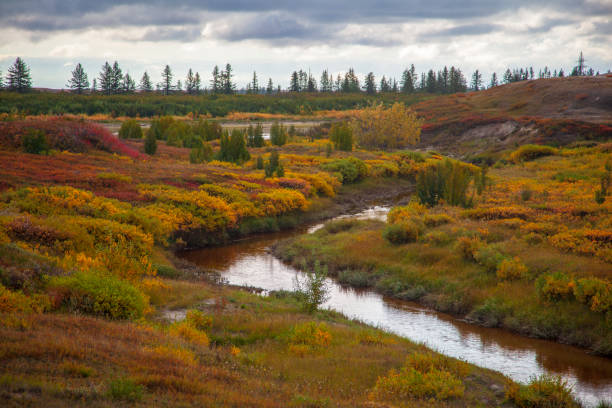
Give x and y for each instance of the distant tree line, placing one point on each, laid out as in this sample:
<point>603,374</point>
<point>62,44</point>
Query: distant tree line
<point>111,80</point>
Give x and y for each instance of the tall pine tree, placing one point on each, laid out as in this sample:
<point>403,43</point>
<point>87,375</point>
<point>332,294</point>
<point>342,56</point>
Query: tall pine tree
<point>78,82</point>
<point>166,84</point>
<point>106,79</point>
<point>18,77</point>
<point>145,83</point>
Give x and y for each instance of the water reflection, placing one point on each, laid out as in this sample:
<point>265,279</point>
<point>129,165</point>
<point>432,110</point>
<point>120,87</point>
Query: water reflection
<point>249,263</point>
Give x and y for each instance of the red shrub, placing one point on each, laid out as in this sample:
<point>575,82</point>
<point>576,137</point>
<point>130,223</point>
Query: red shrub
<point>65,134</point>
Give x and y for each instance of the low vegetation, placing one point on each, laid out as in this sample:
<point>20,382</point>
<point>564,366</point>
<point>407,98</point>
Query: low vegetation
<point>537,263</point>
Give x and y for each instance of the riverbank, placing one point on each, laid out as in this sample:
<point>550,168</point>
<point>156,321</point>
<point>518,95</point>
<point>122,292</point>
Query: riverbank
<point>237,350</point>
<point>527,258</point>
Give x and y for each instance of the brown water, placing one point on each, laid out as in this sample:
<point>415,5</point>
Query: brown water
<point>249,263</point>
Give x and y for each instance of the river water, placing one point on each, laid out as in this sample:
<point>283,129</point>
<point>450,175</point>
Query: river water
<point>249,263</point>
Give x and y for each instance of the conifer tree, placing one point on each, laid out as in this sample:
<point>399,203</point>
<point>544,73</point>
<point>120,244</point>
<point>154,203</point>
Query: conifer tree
<point>106,79</point>
<point>430,84</point>
<point>94,86</point>
<point>325,82</point>
<point>190,82</point>
<point>215,82</point>
<point>129,85</point>
<point>311,85</point>
<point>476,83</point>
<point>1,80</point>
<point>407,84</point>
<point>254,83</point>
<point>116,79</point>
<point>18,77</point>
<point>228,85</point>
<point>78,82</point>
<point>270,87</point>
<point>145,83</point>
<point>166,84</point>
<point>294,82</point>
<point>494,81</point>
<point>370,84</point>
<point>197,83</point>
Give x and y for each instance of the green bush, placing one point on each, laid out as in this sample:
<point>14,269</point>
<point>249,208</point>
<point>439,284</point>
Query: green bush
<point>125,389</point>
<point>35,142</point>
<point>150,144</point>
<point>545,391</point>
<point>403,232</point>
<point>201,153</point>
<point>130,129</point>
<point>531,152</point>
<point>352,169</point>
<point>98,294</point>
<point>489,257</point>
<point>448,180</point>
<point>341,135</point>
<point>278,134</point>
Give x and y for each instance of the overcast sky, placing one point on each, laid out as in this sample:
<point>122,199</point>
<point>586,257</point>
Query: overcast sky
<point>275,38</point>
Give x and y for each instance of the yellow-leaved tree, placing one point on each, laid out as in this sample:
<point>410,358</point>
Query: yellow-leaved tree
<point>379,127</point>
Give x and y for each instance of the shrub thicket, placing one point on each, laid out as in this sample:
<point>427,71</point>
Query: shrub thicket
<point>130,129</point>
<point>98,294</point>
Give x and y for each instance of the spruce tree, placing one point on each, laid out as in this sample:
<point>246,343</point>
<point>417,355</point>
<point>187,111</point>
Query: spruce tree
<point>430,84</point>
<point>145,83</point>
<point>407,83</point>
<point>79,82</point>
<point>197,83</point>
<point>116,79</point>
<point>128,84</point>
<point>1,80</point>
<point>476,83</point>
<point>94,86</point>
<point>270,87</point>
<point>255,83</point>
<point>18,77</point>
<point>325,82</point>
<point>166,84</point>
<point>370,84</point>
<point>384,85</point>
<point>493,80</point>
<point>150,144</point>
<point>190,82</point>
<point>215,82</point>
<point>294,82</point>
<point>228,85</point>
<point>106,79</point>
<point>311,85</point>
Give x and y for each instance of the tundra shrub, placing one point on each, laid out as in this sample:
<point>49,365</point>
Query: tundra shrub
<point>531,152</point>
<point>403,232</point>
<point>510,269</point>
<point>542,392</point>
<point>130,129</point>
<point>35,142</point>
<point>98,294</point>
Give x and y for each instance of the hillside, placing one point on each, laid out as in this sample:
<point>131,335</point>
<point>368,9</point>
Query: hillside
<point>553,111</point>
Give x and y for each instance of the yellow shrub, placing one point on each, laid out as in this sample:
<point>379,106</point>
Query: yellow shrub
<point>189,333</point>
<point>510,269</point>
<point>424,376</point>
<point>309,337</point>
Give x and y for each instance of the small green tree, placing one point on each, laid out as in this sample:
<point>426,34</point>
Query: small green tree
<point>150,144</point>
<point>341,136</point>
<point>312,290</point>
<point>18,77</point>
<point>278,134</point>
<point>78,82</point>
<point>273,164</point>
<point>130,129</point>
<point>233,147</point>
<point>200,153</point>
<point>35,142</point>
<point>259,164</point>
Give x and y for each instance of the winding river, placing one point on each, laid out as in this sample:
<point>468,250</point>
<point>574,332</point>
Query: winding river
<point>249,263</point>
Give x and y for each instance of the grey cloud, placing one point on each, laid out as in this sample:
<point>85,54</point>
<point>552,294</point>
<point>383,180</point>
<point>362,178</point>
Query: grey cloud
<point>267,27</point>
<point>467,29</point>
<point>550,23</point>
<point>189,34</point>
<point>73,13</point>
<point>603,28</point>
